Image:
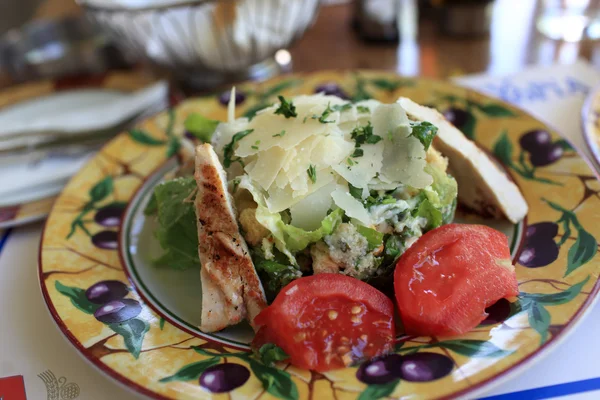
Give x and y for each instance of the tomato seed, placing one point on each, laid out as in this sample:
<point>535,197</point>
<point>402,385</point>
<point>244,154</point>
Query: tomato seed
<point>332,314</point>
<point>356,309</point>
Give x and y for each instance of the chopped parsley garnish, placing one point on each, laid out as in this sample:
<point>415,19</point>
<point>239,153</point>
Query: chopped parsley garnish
<point>312,173</point>
<point>323,118</point>
<point>280,134</point>
<point>390,136</point>
<point>355,191</point>
<point>304,120</point>
<point>349,161</point>
<point>255,147</point>
<point>342,107</point>
<point>287,109</point>
<point>228,149</point>
<point>363,109</point>
<point>376,201</point>
<point>357,153</point>
<point>424,131</point>
<point>364,134</point>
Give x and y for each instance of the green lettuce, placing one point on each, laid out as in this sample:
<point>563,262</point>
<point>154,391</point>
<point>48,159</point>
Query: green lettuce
<point>177,232</point>
<point>427,210</point>
<point>275,275</point>
<point>290,239</point>
<point>374,238</point>
<point>443,190</point>
<point>200,127</point>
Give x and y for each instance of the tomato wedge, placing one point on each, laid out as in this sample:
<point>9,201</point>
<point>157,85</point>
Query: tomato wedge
<point>444,281</point>
<point>328,321</point>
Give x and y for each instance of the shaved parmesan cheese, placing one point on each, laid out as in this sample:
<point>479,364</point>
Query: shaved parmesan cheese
<point>231,106</point>
<point>360,170</point>
<point>280,199</point>
<point>331,151</point>
<point>303,154</point>
<point>267,166</point>
<point>308,213</point>
<point>352,207</point>
<point>250,167</point>
<point>403,155</point>
<point>268,124</point>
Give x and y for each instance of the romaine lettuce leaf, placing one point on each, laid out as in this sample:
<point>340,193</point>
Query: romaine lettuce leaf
<point>374,238</point>
<point>274,276</point>
<point>177,232</point>
<point>443,190</point>
<point>201,127</point>
<point>427,210</point>
<point>290,239</point>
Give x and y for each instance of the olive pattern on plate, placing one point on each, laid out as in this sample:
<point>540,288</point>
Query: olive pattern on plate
<point>417,360</point>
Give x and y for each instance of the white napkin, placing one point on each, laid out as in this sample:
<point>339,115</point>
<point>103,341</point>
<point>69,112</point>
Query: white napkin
<point>75,112</point>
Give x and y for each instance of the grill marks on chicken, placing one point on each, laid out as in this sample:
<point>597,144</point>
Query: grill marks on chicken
<point>231,289</point>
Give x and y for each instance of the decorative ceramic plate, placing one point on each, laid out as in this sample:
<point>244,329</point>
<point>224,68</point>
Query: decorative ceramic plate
<point>20,206</point>
<point>142,330</point>
<point>591,123</point>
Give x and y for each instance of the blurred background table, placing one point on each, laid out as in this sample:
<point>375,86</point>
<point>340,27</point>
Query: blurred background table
<point>331,43</point>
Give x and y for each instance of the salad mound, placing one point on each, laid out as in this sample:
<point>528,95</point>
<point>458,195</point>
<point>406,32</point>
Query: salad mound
<point>320,185</point>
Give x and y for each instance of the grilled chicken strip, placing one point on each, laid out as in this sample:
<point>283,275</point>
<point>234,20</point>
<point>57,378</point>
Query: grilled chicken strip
<point>482,186</point>
<point>231,289</point>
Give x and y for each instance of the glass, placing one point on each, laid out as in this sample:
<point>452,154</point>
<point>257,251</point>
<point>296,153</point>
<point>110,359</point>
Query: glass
<point>570,20</point>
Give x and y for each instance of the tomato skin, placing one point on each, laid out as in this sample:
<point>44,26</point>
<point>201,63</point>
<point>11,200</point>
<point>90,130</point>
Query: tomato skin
<point>327,321</point>
<point>446,280</point>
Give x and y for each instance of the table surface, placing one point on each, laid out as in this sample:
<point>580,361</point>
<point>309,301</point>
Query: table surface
<point>512,44</point>
<point>331,43</point>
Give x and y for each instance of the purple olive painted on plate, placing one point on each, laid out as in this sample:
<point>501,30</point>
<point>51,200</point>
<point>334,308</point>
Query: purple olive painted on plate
<point>117,311</point>
<point>225,96</point>
<point>538,252</point>
<point>107,240</point>
<point>425,367</point>
<point>105,291</point>
<point>380,370</point>
<point>110,216</point>
<point>542,230</point>
<point>222,378</point>
<point>546,155</point>
<point>535,140</point>
<point>456,116</point>
<point>331,89</point>
<point>497,312</point>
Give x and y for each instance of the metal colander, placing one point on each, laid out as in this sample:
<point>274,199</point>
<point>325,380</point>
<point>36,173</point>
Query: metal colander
<point>205,42</point>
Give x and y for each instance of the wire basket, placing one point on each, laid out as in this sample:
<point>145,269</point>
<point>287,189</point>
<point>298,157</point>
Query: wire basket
<point>206,43</point>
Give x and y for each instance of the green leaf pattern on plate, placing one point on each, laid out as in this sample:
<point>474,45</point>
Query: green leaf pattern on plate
<point>144,138</point>
<point>585,246</point>
<point>77,297</point>
<point>376,392</point>
<point>132,330</point>
<point>538,315</point>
